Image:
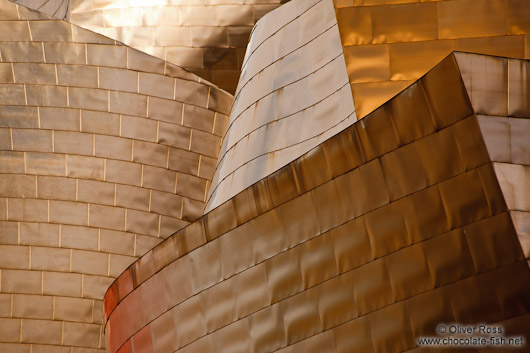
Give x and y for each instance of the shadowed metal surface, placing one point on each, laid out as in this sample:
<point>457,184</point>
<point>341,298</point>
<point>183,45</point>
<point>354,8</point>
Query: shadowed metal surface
<point>104,152</point>
<point>293,94</point>
<point>371,239</point>
<point>56,8</point>
<point>207,37</point>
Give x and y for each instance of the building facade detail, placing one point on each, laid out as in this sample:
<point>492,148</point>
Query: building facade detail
<point>368,182</point>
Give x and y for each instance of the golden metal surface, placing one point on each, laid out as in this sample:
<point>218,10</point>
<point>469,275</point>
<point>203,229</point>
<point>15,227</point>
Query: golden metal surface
<point>318,236</point>
<point>206,37</point>
<point>293,95</point>
<point>104,152</point>
<point>390,43</point>
<point>367,255</point>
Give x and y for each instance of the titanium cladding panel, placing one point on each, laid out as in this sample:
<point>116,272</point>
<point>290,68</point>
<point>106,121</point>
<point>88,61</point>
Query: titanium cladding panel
<point>104,152</point>
<point>207,37</point>
<point>388,44</point>
<point>293,94</point>
<point>364,243</point>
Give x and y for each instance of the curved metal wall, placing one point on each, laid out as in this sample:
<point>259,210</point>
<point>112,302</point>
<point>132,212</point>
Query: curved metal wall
<point>388,44</point>
<point>293,94</point>
<point>104,152</point>
<point>206,37</point>
<point>365,243</point>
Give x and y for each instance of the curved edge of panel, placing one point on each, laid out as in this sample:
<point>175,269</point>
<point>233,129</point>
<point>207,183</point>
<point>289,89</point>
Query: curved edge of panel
<point>293,94</point>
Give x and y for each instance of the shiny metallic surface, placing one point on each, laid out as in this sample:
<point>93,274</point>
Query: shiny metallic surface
<point>321,233</point>
<point>390,43</point>
<point>364,243</point>
<point>292,95</point>
<point>104,152</point>
<point>207,37</point>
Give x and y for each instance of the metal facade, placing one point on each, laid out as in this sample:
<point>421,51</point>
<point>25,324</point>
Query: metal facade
<point>388,44</point>
<point>104,152</point>
<point>414,216</point>
<point>59,9</point>
<point>207,37</point>
<point>293,95</point>
<point>144,209</point>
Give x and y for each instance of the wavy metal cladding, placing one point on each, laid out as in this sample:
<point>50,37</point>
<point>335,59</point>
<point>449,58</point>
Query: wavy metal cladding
<point>207,37</point>
<point>390,43</point>
<point>398,223</point>
<point>104,152</point>
<point>293,95</point>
